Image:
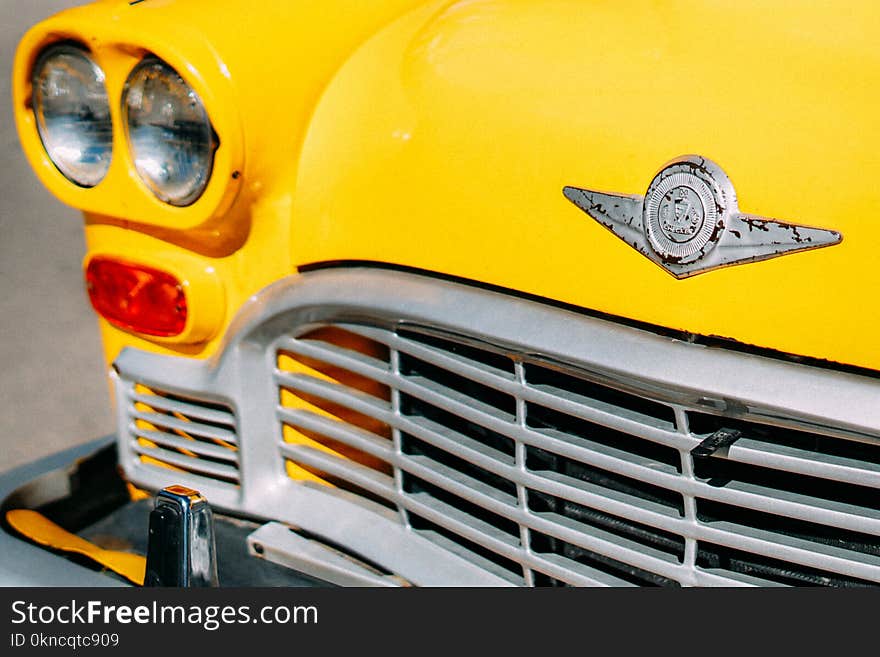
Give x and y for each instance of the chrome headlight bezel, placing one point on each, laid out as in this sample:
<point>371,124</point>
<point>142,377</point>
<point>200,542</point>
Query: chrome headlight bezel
<point>95,117</point>
<point>182,154</point>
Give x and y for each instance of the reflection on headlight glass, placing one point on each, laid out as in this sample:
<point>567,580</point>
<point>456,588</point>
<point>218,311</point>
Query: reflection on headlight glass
<point>73,114</point>
<point>169,133</point>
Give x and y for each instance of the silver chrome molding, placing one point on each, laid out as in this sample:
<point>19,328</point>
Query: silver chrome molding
<point>682,377</point>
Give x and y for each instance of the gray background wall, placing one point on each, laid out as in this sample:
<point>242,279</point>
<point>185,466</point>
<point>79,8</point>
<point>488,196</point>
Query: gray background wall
<point>52,385</point>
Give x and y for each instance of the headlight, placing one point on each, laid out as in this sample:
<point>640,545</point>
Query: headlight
<point>169,133</point>
<point>72,112</point>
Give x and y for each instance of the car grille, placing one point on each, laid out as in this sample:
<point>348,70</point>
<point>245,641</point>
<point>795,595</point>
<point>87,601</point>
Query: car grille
<point>182,434</point>
<point>547,474</point>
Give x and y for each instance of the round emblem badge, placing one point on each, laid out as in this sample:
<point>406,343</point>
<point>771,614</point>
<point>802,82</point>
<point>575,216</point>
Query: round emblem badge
<point>684,209</point>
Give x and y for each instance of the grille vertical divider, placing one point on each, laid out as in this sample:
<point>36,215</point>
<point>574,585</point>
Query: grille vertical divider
<point>396,440</point>
<point>690,504</point>
<point>520,455</point>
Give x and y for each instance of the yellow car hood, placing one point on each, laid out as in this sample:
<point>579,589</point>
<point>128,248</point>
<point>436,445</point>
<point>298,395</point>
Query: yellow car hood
<point>445,142</point>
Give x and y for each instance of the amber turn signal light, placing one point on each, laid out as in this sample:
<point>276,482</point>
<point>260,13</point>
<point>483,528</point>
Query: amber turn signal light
<point>136,298</point>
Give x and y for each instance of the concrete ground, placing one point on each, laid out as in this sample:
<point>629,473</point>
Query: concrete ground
<point>52,385</point>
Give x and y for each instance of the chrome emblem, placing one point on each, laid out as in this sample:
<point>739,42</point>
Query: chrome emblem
<point>689,222</point>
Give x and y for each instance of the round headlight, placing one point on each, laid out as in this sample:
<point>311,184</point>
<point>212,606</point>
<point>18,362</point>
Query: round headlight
<point>72,112</point>
<point>169,133</point>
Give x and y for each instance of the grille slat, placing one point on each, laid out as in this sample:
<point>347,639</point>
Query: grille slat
<point>584,391</point>
<point>452,352</point>
<point>354,437</point>
<point>450,440</point>
<point>603,416</point>
<point>502,380</point>
<point>349,398</point>
<point>792,505</point>
<point>606,462</point>
<point>199,448</point>
<point>793,551</point>
<point>348,359</point>
<point>610,501</point>
<point>712,577</point>
<point>190,428</point>
<point>197,465</point>
<point>380,485</point>
<point>462,485</point>
<point>602,456</point>
<point>455,402</point>
<point>572,573</point>
<point>424,491</point>
<point>198,413</point>
<point>802,461</point>
<point>603,543</point>
<point>455,544</point>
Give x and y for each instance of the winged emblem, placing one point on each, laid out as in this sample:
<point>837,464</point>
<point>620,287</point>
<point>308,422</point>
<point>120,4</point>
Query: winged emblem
<point>688,221</point>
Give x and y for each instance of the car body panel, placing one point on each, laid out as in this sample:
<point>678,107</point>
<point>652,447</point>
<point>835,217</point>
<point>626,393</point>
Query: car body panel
<point>439,136</point>
<point>445,145</point>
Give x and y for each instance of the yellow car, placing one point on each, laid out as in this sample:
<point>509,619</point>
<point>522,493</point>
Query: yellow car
<point>477,292</point>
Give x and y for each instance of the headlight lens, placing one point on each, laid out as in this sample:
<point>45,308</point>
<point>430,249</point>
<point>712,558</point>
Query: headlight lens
<point>169,133</point>
<point>72,112</point>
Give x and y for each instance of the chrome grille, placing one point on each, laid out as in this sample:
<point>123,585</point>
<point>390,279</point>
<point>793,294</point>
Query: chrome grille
<point>183,434</point>
<point>547,474</point>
